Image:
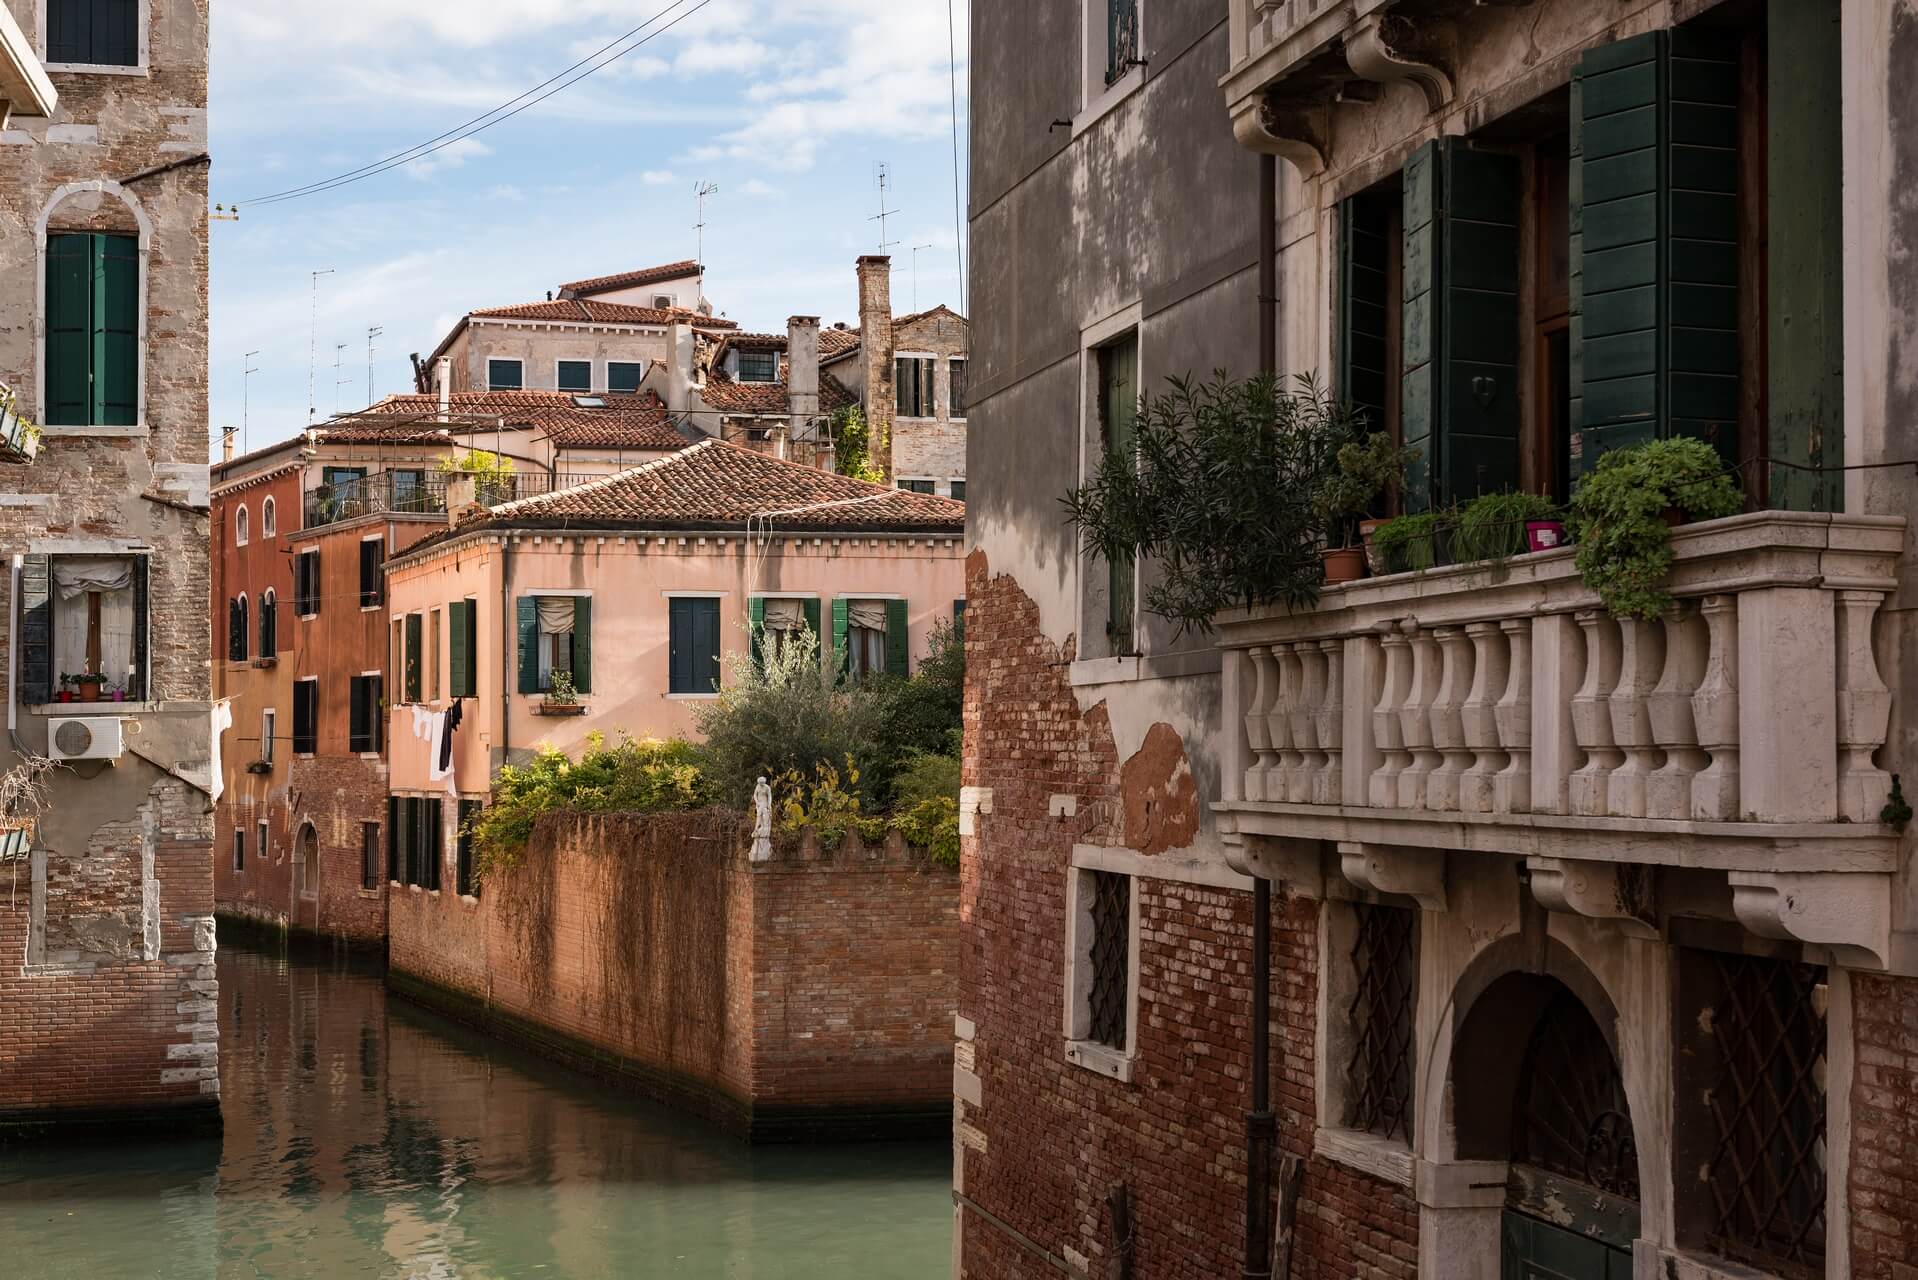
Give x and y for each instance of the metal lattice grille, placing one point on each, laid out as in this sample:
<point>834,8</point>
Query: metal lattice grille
<point>1767,1171</point>
<point>1573,1117</point>
<point>1379,1075</point>
<point>1111,961</point>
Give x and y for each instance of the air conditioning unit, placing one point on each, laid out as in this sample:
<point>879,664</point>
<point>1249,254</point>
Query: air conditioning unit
<point>86,738</point>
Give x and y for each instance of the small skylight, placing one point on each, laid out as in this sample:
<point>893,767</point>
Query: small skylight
<point>590,402</point>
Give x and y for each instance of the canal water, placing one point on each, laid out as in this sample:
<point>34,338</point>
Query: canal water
<point>365,1137</point>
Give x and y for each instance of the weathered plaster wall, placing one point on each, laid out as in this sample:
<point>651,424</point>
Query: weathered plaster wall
<point>542,346</point>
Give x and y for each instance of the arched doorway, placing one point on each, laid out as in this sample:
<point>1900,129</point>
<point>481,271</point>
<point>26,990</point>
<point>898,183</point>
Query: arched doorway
<point>308,860</point>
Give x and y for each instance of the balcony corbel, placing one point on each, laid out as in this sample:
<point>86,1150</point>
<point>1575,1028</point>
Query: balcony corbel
<point>1418,874</point>
<point>1387,48</point>
<point>1619,892</point>
<point>1293,129</point>
<point>1848,913</point>
<point>1297,864</point>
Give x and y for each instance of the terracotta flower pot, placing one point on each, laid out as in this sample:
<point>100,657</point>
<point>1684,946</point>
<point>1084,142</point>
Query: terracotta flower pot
<point>1344,564</point>
<point>1374,562</point>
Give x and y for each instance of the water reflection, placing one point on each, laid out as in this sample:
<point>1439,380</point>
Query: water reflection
<point>367,1138</point>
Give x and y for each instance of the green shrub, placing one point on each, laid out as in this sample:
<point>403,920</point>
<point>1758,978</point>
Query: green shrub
<point>1408,542</point>
<point>919,716</point>
<point>1618,518</point>
<point>1492,526</point>
<point>923,777</point>
<point>932,825</point>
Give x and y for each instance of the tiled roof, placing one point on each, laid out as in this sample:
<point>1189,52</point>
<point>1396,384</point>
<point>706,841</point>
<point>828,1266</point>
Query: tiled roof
<point>630,279</point>
<point>834,342</point>
<point>718,485</point>
<point>627,422</point>
<point>586,311</point>
<point>727,396</point>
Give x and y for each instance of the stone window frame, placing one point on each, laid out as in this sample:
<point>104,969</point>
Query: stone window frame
<point>1080,1049</point>
<point>262,839</point>
<point>269,522</point>
<point>309,890</point>
<point>239,850</point>
<point>143,29</point>
<point>269,725</point>
<point>1096,96</point>
<point>1092,592</point>
<point>144,226</point>
<point>242,527</point>
<point>512,360</point>
<point>1386,1158</point>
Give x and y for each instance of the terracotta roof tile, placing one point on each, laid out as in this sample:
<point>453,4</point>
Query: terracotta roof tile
<point>728,396</point>
<point>627,421</point>
<point>833,342</point>
<point>719,485</point>
<point>629,279</point>
<point>586,311</point>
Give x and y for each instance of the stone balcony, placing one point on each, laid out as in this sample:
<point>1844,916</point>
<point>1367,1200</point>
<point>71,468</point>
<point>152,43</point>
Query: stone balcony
<point>1497,708</point>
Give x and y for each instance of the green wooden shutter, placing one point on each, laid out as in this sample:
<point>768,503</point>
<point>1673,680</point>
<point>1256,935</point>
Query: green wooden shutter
<point>1119,409</point>
<point>1419,358</point>
<point>1478,329</point>
<point>1657,253</point>
<point>528,619</point>
<point>1362,303</point>
<point>959,621</point>
<point>36,631</point>
<point>395,828</point>
<point>705,645</point>
<point>583,643</point>
<point>1575,281</point>
<point>414,664</point>
<point>116,36</point>
<point>898,640</point>
<point>811,608</point>
<point>459,661</point>
<point>115,331</point>
<point>756,630</point>
<point>69,308</point>
<point>841,629</point>
<point>679,646</point>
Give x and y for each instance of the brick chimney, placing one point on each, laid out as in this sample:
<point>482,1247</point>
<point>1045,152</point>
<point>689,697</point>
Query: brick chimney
<point>875,349</point>
<point>802,374</point>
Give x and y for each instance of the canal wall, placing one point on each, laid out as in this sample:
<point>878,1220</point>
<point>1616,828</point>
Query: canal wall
<point>806,997</point>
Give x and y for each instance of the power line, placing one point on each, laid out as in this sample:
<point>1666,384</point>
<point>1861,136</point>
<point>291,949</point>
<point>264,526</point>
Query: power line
<point>498,115</point>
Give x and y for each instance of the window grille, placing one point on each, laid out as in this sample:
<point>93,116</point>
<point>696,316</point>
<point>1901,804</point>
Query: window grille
<point>1111,957</point>
<point>758,366</point>
<point>1767,1170</point>
<point>1573,1116</point>
<point>1379,1073</point>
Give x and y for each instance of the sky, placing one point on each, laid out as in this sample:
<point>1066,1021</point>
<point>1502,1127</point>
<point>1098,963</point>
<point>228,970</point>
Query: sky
<point>789,106</point>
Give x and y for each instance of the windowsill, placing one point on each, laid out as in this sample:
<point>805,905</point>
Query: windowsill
<point>1152,666</point>
<point>468,900</point>
<point>367,893</point>
<point>99,69</point>
<point>136,432</point>
<point>369,755</point>
<point>92,708</point>
<point>1382,1158</point>
<point>309,897</point>
<point>1109,97</point>
<point>691,697</point>
<point>1102,1059</point>
<point>370,608</point>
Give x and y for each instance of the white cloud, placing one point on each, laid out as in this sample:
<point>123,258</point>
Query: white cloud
<point>659,177</point>
<point>452,155</point>
<point>754,187</point>
<point>507,192</point>
<point>706,57</point>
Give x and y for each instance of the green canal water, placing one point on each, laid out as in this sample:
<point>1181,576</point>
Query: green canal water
<point>365,1137</point>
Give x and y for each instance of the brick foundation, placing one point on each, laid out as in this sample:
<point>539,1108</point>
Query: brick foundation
<point>1884,1128</point>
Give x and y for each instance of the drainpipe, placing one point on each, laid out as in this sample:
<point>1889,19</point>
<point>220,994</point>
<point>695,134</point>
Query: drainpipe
<point>1261,1126</point>
<point>13,658</point>
<point>506,645</point>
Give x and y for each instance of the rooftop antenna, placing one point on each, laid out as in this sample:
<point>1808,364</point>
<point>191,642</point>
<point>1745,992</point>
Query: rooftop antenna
<point>313,347</point>
<point>372,333</point>
<point>701,190</point>
<point>883,173</point>
<point>339,351</point>
<point>915,273</point>
<point>246,398</point>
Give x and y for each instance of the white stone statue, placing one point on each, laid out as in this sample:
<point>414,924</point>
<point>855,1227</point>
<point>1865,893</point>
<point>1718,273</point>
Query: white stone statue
<point>762,821</point>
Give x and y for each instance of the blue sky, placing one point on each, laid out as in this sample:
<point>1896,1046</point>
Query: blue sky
<point>787,105</point>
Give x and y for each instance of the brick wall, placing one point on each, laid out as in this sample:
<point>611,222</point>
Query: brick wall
<point>1884,1127</point>
<point>804,996</point>
<point>1049,1139</point>
<point>335,795</point>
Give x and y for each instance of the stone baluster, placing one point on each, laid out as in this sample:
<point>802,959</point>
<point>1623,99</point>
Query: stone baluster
<point>1592,717</point>
<point>1715,714</point>
<point>1641,661</point>
<point>1278,786</point>
<point>1512,788</point>
<point>1383,792</point>
<point>1234,750</point>
<point>1864,711</point>
<point>1448,728</point>
<point>1265,687</point>
<point>1668,792</point>
<point>1326,787</point>
<point>1305,722</point>
<point>1415,716</point>
<point>1478,718</point>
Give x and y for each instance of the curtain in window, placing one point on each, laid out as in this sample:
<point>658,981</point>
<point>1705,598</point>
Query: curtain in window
<point>866,636</point>
<point>555,637</point>
<point>75,578</point>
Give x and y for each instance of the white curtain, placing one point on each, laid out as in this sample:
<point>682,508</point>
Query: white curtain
<point>555,614</point>
<point>555,637</point>
<point>74,579</point>
<point>870,614</point>
<point>785,615</point>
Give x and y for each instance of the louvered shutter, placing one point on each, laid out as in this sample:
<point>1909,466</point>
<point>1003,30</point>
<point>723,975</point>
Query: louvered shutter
<point>140,679</point>
<point>115,331</point>
<point>414,643</point>
<point>1657,253</point>
<point>583,644</point>
<point>959,622</point>
<point>394,836</point>
<point>811,609</point>
<point>69,308</point>
<point>528,620</point>
<point>358,720</point>
<point>756,630</point>
<point>898,646</point>
<point>36,631</point>
<point>841,635</point>
<point>70,31</point>
<point>459,663</point>
<point>1362,304</point>
<point>1419,359</point>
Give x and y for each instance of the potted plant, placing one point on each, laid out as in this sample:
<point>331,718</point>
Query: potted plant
<point>87,685</point>
<point>562,699</point>
<point>116,692</point>
<point>1359,472</point>
<point>1408,543</point>
<point>65,693</point>
<point>1493,526</point>
<point>1623,513</point>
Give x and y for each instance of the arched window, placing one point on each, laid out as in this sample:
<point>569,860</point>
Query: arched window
<point>309,862</point>
<point>269,620</point>
<point>239,527</point>
<point>236,636</point>
<point>269,526</point>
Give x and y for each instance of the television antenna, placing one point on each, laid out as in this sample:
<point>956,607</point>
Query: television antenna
<point>374,332</point>
<point>701,190</point>
<point>246,398</point>
<point>313,347</point>
<point>882,172</point>
<point>916,249</point>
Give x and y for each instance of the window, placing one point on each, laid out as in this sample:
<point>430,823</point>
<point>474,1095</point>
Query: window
<point>1378,1074</point>
<point>239,527</point>
<point>462,626</point>
<point>759,366</point>
<point>624,376</point>
<point>776,623</point>
<point>575,375</point>
<point>269,518</point>
<point>411,680</point>
<point>505,375</point>
<point>269,721</point>
<point>306,716</point>
<point>369,855</point>
<point>869,637</point>
<point>86,615</point>
<point>959,621</point>
<point>1118,411</point>
<point>372,581</point>
<point>916,486</point>
<point>96,33</point>
<point>93,330</point>
<point>261,843</point>
<point>433,656</point>
<point>1122,37</point>
<point>366,719</point>
<point>694,644</point>
<point>555,634</point>
<point>239,849</point>
<point>1102,966</point>
<point>409,492</point>
<point>269,624</point>
<point>306,584</point>
<point>958,490</point>
<point>414,851</point>
<point>463,882</point>
<point>912,387</point>
<point>956,387</point>
<point>236,630</point>
<point>308,846</point>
